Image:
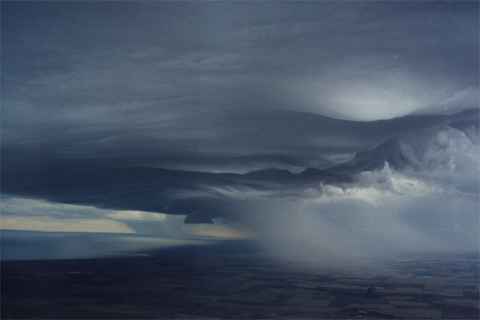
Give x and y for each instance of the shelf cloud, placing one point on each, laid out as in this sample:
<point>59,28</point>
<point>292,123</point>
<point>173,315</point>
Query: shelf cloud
<point>334,127</point>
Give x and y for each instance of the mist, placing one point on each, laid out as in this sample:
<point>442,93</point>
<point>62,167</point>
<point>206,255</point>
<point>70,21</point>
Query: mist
<point>382,216</point>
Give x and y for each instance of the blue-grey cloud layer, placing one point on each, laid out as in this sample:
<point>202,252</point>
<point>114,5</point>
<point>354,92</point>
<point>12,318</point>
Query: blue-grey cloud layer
<point>218,86</point>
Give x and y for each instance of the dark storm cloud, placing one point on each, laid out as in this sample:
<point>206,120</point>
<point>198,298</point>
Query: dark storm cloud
<point>219,86</point>
<point>106,105</point>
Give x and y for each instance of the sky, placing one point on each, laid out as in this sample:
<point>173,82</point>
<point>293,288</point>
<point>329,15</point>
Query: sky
<point>93,89</point>
<point>213,86</point>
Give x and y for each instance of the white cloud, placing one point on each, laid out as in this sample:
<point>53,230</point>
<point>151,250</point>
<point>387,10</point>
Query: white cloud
<point>373,187</point>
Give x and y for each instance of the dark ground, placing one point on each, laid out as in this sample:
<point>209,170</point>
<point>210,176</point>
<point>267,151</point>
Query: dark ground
<point>235,280</point>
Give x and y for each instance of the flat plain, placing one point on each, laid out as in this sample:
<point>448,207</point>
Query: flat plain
<point>238,281</point>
